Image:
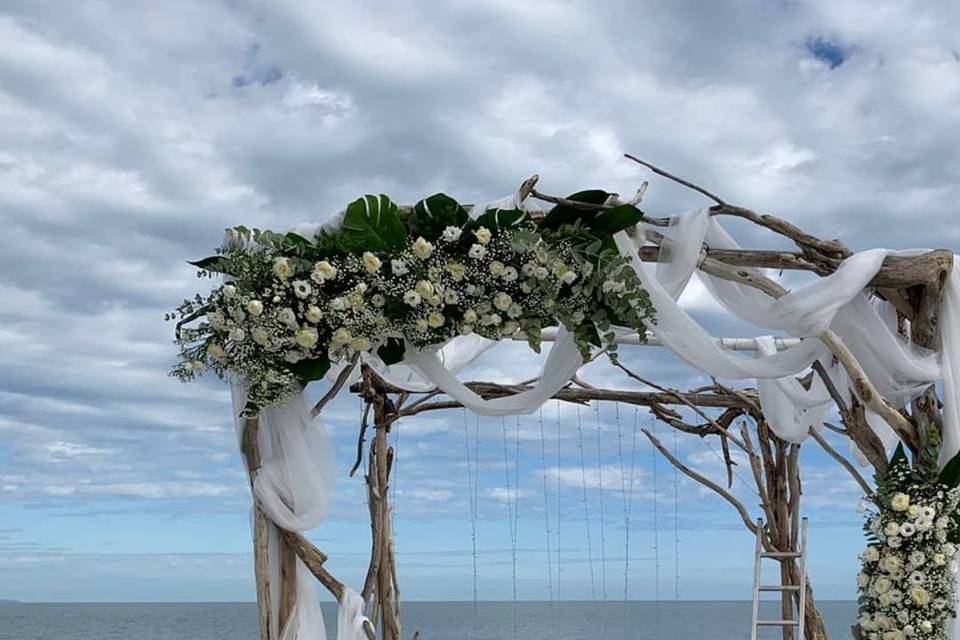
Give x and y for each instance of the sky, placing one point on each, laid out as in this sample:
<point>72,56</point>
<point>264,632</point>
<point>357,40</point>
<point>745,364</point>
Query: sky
<point>132,133</point>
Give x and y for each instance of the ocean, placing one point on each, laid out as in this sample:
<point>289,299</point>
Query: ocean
<point>434,620</point>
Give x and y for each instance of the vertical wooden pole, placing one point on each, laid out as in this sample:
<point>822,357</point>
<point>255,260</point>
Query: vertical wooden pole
<point>288,582</point>
<point>261,529</point>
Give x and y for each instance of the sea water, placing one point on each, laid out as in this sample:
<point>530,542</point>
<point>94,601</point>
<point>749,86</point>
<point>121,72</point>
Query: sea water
<point>434,620</point>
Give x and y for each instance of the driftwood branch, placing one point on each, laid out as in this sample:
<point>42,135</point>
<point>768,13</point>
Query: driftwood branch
<point>705,481</point>
<point>833,453</point>
<point>335,387</point>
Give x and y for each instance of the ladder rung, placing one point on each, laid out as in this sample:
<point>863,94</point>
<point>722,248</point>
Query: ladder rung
<point>779,587</point>
<point>780,554</point>
<point>777,623</point>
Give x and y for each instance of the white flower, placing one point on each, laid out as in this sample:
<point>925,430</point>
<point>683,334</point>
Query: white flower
<point>452,234</point>
<point>229,291</point>
<point>907,529</point>
<point>360,343</point>
<point>567,277</point>
<point>579,317</point>
<point>341,336</point>
<point>871,554</point>
<point>919,595</point>
<point>411,298</point>
<point>526,287</point>
<point>509,328</point>
<point>527,268</point>
<point>421,248</point>
<point>948,550</point>
<point>882,585</point>
<point>424,288</point>
<point>238,334</point>
<point>339,303</point>
<point>939,559</point>
<point>260,336</point>
<point>216,352</point>
<point>470,316</point>
<point>238,315</point>
<point>287,316</point>
<point>421,324</point>
<point>255,308</point>
<point>891,529</point>
<point>371,262</point>
<point>307,338</point>
<point>451,297</point>
<point>456,271</point>
<point>890,563</point>
<point>323,270</point>
<point>497,268</point>
<point>482,235</point>
<point>926,626</point>
<point>302,288</point>
<point>863,580</point>
<point>398,267</point>
<point>928,513</point>
<point>895,634</point>
<point>377,300</point>
<point>894,542</point>
<point>282,268</point>
<point>502,301</point>
<point>509,274</point>
<point>917,578</point>
<point>913,511</point>
<point>466,329</point>
<point>477,251</point>
<point>490,319</point>
<point>540,273</point>
<point>917,558</point>
<point>313,314</point>
<point>900,502</point>
<point>293,357</point>
<point>216,319</point>
<point>515,311</point>
<point>435,319</point>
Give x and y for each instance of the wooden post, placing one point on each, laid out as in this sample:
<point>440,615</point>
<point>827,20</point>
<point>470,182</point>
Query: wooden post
<point>261,529</point>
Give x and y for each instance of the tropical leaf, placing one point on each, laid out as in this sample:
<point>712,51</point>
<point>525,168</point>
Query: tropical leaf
<point>497,220</point>
<point>950,475</point>
<point>432,215</point>
<point>566,214</point>
<point>611,221</point>
<point>213,264</point>
<point>371,223</point>
<point>307,371</point>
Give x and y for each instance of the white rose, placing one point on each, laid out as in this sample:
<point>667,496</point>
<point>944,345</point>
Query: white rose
<point>890,563</point>
<point>470,316</point>
<point>863,579</point>
<point>456,271</point>
<point>260,336</point>
<point>540,273</point>
<point>238,334</point>
<point>412,298</point>
<point>371,262</point>
<point>360,343</point>
<point>891,529</point>
<point>913,511</point>
<point>466,329</point>
<point>287,316</point>
<point>871,554</point>
<point>421,248</point>
<point>477,251</point>
<point>502,301</point>
<point>323,270</point>
<point>928,513</point>
<point>907,529</point>
<point>926,626</point>
<point>229,291</point>
<point>490,319</point>
<point>435,319</point>
<point>939,559</point>
<point>421,324</point>
<point>949,550</point>
<point>917,558</point>
<point>341,336</point>
<point>451,297</point>
<point>894,542</point>
<point>255,308</point>
<point>515,311</point>
<point>900,502</point>
<point>282,268</point>
<point>482,235</point>
<point>509,274</point>
<point>919,595</point>
<point>452,234</point>
<point>882,585</point>
<point>568,277</point>
<point>216,352</point>
<point>497,268</point>
<point>424,288</point>
<point>307,338</point>
<point>314,314</point>
<point>509,328</point>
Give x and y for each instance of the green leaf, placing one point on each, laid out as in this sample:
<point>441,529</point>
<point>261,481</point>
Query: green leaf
<point>309,370</point>
<point>497,220</point>
<point>899,456</point>
<point>214,264</point>
<point>950,475</point>
<point>617,219</point>
<point>371,223</point>
<point>432,215</point>
<point>392,351</point>
<point>566,214</point>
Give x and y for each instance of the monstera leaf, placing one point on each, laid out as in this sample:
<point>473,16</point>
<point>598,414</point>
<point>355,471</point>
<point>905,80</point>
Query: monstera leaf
<point>610,221</point>
<point>497,220</point>
<point>309,370</point>
<point>432,215</point>
<point>372,224</point>
<point>566,214</point>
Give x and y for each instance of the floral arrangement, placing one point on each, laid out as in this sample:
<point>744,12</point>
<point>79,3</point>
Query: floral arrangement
<point>907,582</point>
<point>389,277</point>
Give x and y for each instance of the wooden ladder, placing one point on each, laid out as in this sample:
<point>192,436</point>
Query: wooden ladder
<point>780,556</point>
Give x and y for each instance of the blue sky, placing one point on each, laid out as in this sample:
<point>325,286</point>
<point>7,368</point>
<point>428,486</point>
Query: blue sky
<point>132,133</point>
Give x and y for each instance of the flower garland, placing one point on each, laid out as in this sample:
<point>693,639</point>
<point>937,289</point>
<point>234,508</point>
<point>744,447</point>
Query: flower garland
<point>907,583</point>
<point>292,305</point>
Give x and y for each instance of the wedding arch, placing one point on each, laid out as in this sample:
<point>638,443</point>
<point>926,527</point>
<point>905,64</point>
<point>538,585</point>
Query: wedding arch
<point>391,302</point>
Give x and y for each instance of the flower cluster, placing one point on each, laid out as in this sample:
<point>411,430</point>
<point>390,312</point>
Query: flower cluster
<point>291,306</point>
<point>907,582</point>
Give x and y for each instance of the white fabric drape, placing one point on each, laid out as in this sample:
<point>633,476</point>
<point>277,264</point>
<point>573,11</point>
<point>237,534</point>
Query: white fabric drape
<point>294,486</point>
